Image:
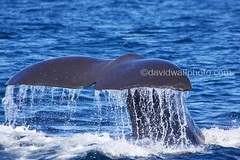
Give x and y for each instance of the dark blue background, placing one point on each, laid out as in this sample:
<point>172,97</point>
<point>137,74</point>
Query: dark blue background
<point>196,35</point>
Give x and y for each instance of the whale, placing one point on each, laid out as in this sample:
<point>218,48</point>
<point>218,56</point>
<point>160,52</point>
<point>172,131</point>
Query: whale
<point>124,73</point>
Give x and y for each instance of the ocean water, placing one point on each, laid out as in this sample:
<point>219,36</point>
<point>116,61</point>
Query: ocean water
<point>201,37</point>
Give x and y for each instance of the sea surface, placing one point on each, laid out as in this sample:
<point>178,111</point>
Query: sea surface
<point>200,36</point>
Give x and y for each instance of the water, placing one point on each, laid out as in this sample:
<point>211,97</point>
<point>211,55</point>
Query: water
<point>201,37</point>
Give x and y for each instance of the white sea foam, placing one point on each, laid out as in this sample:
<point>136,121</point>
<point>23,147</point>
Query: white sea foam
<point>25,143</point>
<point>225,138</point>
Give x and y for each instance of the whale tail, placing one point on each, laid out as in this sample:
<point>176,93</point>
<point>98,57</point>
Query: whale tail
<point>127,71</point>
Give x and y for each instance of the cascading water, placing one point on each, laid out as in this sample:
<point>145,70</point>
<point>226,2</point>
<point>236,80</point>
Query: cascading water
<point>67,108</point>
<point>158,114</point>
<point>111,106</point>
<point>35,105</point>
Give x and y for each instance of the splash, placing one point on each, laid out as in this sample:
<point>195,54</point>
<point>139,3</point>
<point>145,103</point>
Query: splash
<point>111,106</point>
<point>225,138</point>
<point>113,129</point>
<point>23,101</point>
<point>155,114</point>
<point>10,108</point>
<point>22,143</point>
<point>107,110</point>
<point>159,114</point>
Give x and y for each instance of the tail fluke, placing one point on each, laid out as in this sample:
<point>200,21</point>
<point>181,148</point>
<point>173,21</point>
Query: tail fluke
<point>127,71</point>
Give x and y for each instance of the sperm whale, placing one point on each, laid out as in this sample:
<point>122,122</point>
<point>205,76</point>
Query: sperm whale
<point>126,72</point>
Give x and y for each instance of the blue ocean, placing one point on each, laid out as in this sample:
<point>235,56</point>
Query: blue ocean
<point>43,122</point>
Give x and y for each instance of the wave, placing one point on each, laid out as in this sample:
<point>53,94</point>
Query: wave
<point>225,138</point>
<point>47,107</point>
<point>28,144</point>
